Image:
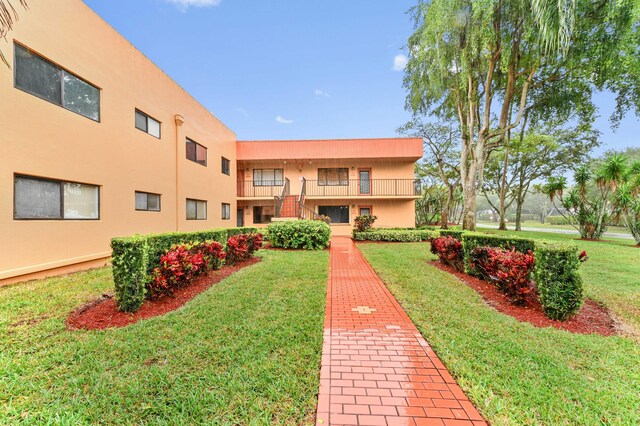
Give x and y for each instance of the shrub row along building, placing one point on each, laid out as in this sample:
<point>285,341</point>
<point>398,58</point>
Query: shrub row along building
<point>98,142</point>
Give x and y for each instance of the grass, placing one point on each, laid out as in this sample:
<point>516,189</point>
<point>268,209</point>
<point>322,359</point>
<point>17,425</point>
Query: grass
<point>515,373</point>
<point>611,275</point>
<point>247,351</point>
<point>621,230</point>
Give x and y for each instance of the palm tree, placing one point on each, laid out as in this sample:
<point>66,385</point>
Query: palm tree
<point>8,17</point>
<point>626,201</point>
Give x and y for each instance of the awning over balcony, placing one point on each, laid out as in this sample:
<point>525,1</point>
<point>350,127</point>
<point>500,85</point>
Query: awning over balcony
<point>388,148</point>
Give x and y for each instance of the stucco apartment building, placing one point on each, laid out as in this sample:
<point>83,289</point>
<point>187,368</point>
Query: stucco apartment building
<point>98,142</point>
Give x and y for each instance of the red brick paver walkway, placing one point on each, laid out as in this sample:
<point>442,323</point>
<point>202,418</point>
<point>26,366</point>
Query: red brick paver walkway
<point>376,367</point>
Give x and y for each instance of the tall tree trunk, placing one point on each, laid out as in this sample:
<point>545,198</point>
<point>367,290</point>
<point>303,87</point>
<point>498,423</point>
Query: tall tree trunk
<point>503,187</point>
<point>519,203</point>
<point>447,207</point>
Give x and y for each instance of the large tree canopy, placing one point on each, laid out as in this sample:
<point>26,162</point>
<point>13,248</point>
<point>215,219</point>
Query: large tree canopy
<point>488,63</point>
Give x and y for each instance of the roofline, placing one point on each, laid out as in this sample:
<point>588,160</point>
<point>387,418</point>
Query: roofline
<point>328,140</point>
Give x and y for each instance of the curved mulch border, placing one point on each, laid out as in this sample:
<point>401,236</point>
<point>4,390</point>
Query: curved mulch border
<point>103,313</point>
<point>591,319</point>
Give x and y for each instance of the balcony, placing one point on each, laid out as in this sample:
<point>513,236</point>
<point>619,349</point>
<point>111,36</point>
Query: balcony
<point>348,188</point>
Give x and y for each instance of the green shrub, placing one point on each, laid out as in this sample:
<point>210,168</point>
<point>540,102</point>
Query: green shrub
<point>557,220</point>
<point>559,283</point>
<point>471,240</point>
<point>364,222</point>
<point>457,234</point>
<point>134,259</point>
<point>130,261</point>
<point>395,235</point>
<point>299,234</point>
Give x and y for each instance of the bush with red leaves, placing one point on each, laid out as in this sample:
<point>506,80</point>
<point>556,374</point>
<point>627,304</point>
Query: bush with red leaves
<point>449,251</point>
<point>178,267</point>
<point>509,270</point>
<point>241,247</point>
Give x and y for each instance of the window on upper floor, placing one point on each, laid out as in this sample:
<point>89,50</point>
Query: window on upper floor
<point>40,77</point>
<point>226,211</point>
<point>333,177</point>
<point>268,177</point>
<point>147,201</point>
<point>39,198</point>
<point>196,209</point>
<point>196,152</point>
<point>147,124</point>
<point>226,166</point>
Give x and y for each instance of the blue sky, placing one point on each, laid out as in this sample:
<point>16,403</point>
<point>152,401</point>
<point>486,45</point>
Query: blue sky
<point>290,69</point>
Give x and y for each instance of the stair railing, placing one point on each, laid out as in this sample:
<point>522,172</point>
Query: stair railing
<point>279,200</point>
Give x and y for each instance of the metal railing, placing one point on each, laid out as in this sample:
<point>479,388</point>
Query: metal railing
<point>363,188</point>
<point>279,200</point>
<point>251,188</point>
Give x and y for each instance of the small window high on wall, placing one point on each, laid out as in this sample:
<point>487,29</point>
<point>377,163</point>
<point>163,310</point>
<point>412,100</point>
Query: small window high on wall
<point>147,124</point>
<point>42,78</point>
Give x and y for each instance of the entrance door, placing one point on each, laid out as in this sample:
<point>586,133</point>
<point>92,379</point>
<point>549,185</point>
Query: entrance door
<point>364,181</point>
<point>240,220</point>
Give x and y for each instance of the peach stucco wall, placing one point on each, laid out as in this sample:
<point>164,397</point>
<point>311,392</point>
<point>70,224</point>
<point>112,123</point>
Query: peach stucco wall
<point>391,211</point>
<point>43,139</point>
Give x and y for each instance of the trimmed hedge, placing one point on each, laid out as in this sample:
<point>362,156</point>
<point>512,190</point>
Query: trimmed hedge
<point>559,283</point>
<point>457,234</point>
<point>135,257</point>
<point>395,235</point>
<point>471,240</point>
<point>555,273</point>
<point>299,234</point>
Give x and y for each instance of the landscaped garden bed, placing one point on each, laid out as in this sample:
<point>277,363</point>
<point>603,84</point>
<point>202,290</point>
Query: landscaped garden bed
<point>103,312</point>
<point>591,318</point>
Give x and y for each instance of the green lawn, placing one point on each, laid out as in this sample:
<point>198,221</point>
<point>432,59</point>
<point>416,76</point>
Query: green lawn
<point>247,351</point>
<point>611,275</point>
<point>513,372</point>
<point>537,224</point>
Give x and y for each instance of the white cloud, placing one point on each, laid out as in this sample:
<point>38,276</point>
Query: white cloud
<point>321,93</point>
<point>280,119</point>
<point>399,62</point>
<point>183,5</point>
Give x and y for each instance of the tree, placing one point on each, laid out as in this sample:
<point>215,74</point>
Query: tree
<point>626,201</point>
<point>587,206</point>
<point>536,156</point>
<point>439,141</point>
<point>8,17</point>
<point>468,58</point>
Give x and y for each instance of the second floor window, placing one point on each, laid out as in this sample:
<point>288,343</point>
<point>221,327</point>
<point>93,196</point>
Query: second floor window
<point>333,177</point>
<point>41,78</point>
<point>147,124</point>
<point>196,209</point>
<point>226,166</point>
<point>268,177</point>
<point>196,152</point>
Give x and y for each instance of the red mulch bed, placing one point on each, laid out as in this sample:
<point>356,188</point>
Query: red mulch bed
<point>591,319</point>
<point>103,313</point>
